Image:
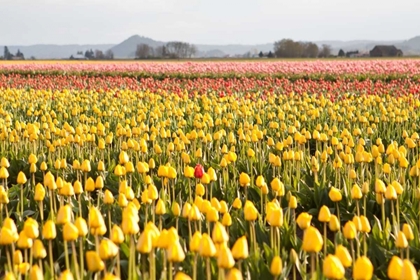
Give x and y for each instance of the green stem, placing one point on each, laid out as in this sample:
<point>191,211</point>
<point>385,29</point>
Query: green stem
<point>195,267</point>
<point>170,271</point>
<point>50,253</point>
<point>325,240</point>
<point>208,268</point>
<point>313,265</point>
<point>73,248</point>
<point>82,262</point>
<point>66,255</point>
<point>21,201</point>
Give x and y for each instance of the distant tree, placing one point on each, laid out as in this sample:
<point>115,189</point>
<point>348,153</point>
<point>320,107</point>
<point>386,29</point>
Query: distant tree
<point>33,58</point>
<point>80,52</point>
<point>325,51</point>
<point>192,51</point>
<point>7,55</point>
<point>20,55</point>
<point>260,55</point>
<point>160,52</point>
<point>177,49</point>
<point>270,54</point>
<point>341,53</point>
<point>144,51</point>
<point>310,50</point>
<point>109,54</point>
<point>89,54</point>
<point>247,55</point>
<point>288,48</point>
<point>72,57</point>
<point>99,54</point>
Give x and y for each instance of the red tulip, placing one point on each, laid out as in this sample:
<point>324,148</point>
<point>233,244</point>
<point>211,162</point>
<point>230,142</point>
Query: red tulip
<point>199,171</point>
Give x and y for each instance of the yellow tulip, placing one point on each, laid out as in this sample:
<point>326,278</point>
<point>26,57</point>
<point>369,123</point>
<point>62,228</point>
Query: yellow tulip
<point>276,266</point>
<point>333,268</point>
<point>94,262</point>
<point>363,269</point>
<point>312,240</point>
<point>395,268</point>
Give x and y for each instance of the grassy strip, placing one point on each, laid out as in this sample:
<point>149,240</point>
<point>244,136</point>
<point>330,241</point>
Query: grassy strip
<point>229,75</point>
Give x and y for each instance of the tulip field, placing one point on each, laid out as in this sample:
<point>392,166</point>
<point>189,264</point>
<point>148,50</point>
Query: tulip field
<point>210,170</point>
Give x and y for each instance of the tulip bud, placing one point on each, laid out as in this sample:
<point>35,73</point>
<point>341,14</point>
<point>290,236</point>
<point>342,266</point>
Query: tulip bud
<point>363,269</point>
<point>38,249</point>
<point>117,235</point>
<point>107,249</point>
<point>48,231</point>
<point>240,249</point>
<point>160,207</point>
<point>17,257</point>
<point>332,268</point>
<point>237,204</point>
<point>349,230</point>
<point>408,271</point>
<point>276,266</point>
<point>390,193</point>
<point>21,178</point>
<point>324,215</point>
<point>36,273</point>
<point>108,198</point>
<point>70,232</point>
<point>24,242</point>
<point>81,226</point>
<point>250,212</point>
<point>343,255</point>
<point>334,224</point>
<point>401,241</point>
<point>181,276</point>
<point>85,167</point>
<point>365,225</point>
<point>176,209</point>
<point>335,195</point>
<point>312,240</point>
<point>207,248</point>
<point>408,232</point>
<point>195,242</point>
<point>234,274</point>
<point>31,229</point>
<point>175,252</point>
<point>96,219</point>
<point>304,220</point>
<point>198,171</point>
<point>395,268</point>
<point>224,257</point>
<point>94,262</point>
<point>292,202</point>
<point>64,215</point>
<point>219,233</point>
<point>379,186</point>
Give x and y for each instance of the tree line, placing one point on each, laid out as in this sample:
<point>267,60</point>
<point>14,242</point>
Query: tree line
<point>7,55</point>
<point>95,55</point>
<point>287,48</point>
<point>172,50</point>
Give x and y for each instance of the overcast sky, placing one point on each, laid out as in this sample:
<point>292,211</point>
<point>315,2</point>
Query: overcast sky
<point>26,22</point>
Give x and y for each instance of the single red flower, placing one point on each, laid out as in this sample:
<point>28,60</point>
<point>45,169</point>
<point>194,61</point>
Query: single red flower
<point>198,171</point>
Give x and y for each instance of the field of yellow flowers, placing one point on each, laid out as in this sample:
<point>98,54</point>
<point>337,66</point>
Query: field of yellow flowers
<point>173,183</point>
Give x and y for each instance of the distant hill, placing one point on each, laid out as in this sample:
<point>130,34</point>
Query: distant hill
<point>54,51</point>
<point>409,47</point>
<point>127,48</point>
